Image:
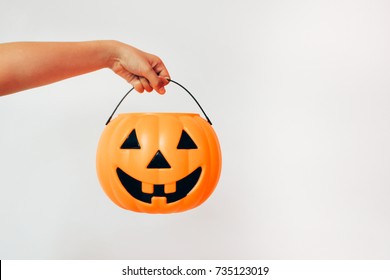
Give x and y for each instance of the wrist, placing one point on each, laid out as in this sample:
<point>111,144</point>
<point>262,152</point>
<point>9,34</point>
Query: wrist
<point>107,52</point>
<point>114,52</point>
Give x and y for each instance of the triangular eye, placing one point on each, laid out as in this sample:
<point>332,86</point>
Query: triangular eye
<point>131,142</point>
<point>186,142</point>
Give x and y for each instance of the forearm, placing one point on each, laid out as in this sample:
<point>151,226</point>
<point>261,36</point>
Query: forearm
<point>26,65</point>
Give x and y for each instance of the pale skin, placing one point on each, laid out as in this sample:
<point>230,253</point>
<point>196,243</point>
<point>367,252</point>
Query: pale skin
<point>26,65</point>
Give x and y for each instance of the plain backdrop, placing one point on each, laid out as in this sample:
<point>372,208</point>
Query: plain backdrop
<point>299,94</point>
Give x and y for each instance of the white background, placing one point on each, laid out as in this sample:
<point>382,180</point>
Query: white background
<point>299,94</point>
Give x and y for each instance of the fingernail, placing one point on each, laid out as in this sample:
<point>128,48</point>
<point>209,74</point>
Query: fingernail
<point>161,90</point>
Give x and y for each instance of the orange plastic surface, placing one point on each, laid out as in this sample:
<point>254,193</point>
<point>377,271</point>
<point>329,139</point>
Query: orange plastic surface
<point>132,181</point>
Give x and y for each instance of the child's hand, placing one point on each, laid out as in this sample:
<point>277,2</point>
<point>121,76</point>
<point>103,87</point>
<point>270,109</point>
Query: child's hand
<point>143,70</point>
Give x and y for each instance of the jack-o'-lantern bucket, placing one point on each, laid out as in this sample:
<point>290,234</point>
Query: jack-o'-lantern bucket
<point>158,162</point>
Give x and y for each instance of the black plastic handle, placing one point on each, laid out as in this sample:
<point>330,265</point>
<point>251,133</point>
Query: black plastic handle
<point>120,102</point>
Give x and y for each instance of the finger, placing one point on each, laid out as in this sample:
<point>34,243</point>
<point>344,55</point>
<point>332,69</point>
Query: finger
<point>163,82</point>
<point>153,79</point>
<point>156,82</point>
<point>145,84</point>
<point>164,76</point>
<point>161,70</point>
<point>136,83</point>
<point>155,72</point>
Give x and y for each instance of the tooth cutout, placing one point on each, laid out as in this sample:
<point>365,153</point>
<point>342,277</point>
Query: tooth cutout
<point>147,188</point>
<point>160,201</point>
<point>170,188</point>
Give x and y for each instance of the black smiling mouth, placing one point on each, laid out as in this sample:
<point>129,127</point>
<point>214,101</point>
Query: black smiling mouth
<point>183,187</point>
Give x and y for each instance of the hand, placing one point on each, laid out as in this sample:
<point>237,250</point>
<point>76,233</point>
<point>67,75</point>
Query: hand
<point>143,70</point>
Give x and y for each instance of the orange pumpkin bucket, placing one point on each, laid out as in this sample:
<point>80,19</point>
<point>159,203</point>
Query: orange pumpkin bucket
<point>158,162</point>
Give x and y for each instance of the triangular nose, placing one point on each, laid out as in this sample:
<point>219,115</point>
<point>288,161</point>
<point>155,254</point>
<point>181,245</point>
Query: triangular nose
<point>159,161</point>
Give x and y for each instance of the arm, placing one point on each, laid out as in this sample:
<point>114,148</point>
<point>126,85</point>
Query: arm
<point>26,65</point>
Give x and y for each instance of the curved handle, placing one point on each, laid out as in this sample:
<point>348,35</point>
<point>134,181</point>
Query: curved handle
<point>123,98</point>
